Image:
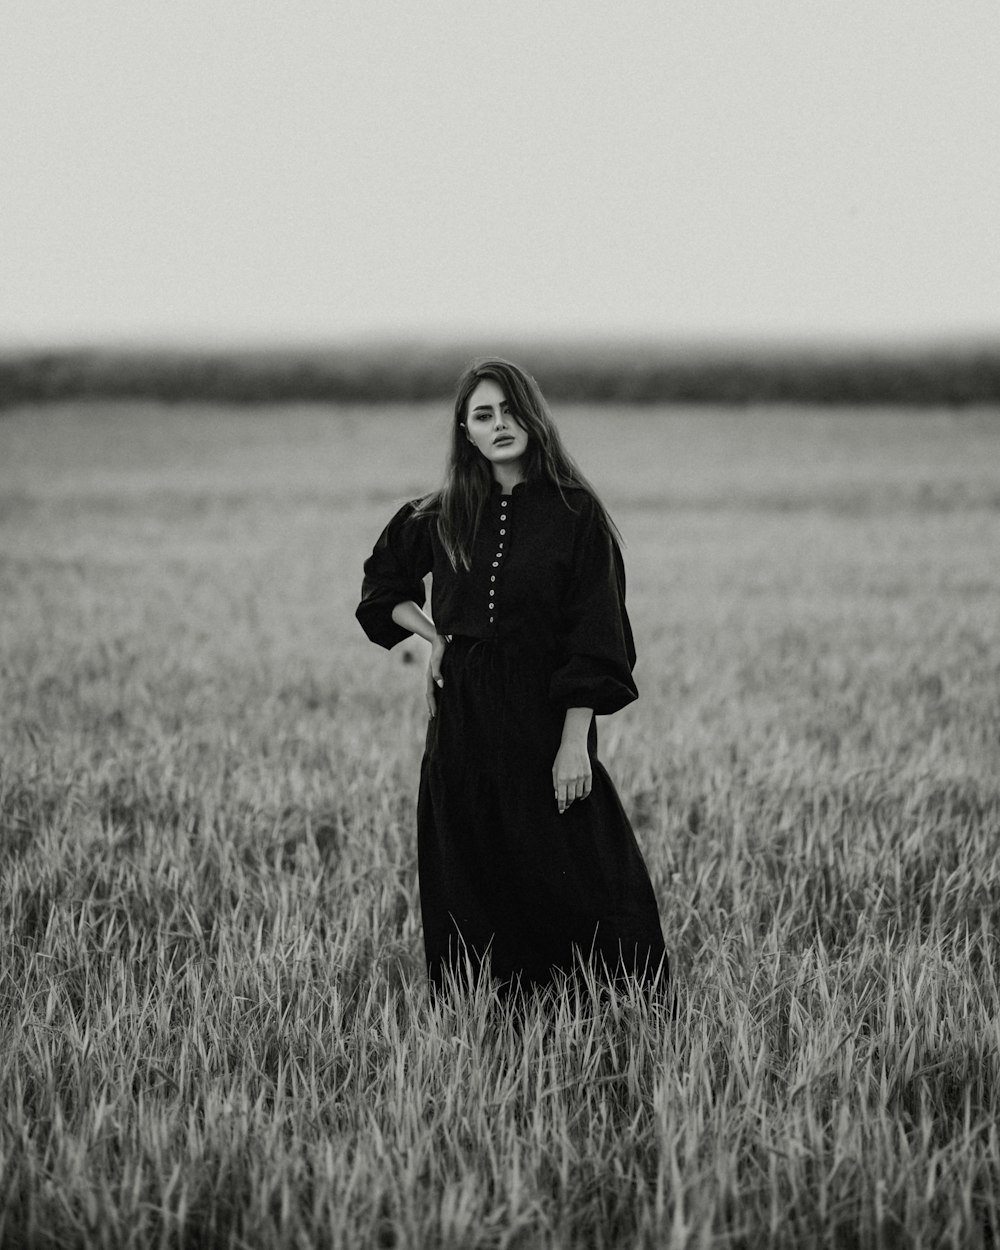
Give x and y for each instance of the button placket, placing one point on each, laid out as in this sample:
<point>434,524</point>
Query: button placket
<point>498,556</point>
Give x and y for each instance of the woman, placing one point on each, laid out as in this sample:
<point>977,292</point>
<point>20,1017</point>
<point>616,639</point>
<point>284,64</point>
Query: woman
<point>527,861</point>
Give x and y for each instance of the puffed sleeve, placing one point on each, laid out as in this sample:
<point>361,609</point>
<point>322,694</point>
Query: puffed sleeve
<point>394,573</point>
<point>596,644</point>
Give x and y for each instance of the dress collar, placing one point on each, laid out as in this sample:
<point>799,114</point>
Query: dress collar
<point>526,485</point>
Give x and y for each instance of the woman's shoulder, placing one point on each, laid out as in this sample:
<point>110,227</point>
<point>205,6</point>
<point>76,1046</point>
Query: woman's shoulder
<point>421,507</point>
<point>579,496</point>
<point>578,500</point>
<point>590,520</point>
<point>543,487</point>
<point>413,517</point>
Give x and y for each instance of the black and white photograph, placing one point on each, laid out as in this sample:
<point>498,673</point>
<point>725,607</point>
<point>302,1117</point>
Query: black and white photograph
<point>500,625</point>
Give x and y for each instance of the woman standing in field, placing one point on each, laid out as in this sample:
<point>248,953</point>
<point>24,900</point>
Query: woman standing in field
<point>526,858</point>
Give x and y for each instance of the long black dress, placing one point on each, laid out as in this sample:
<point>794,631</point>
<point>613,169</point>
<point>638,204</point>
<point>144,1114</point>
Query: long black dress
<point>537,625</point>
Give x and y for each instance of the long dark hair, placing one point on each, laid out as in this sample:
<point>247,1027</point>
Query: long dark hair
<point>459,503</point>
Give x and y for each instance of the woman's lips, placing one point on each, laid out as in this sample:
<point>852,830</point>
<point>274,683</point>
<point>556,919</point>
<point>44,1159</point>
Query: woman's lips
<point>504,438</point>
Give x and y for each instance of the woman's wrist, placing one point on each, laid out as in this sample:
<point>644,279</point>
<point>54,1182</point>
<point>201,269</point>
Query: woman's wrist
<point>576,725</point>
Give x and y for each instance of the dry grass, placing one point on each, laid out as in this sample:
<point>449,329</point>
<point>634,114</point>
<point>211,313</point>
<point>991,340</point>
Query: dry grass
<point>214,1029</point>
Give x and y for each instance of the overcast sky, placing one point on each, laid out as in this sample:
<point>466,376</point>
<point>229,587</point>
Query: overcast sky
<point>206,169</point>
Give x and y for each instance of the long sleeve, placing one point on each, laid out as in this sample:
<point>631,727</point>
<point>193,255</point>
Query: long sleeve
<point>394,573</point>
<point>597,649</point>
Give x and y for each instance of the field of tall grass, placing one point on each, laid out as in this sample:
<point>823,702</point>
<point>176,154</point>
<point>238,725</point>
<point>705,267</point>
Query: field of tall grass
<point>214,1026</point>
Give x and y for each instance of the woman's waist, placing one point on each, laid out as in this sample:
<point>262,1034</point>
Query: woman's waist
<point>512,651</point>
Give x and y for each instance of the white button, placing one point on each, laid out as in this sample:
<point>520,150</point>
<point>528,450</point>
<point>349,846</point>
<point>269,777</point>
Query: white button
<point>503,532</point>
<point>491,620</point>
<point>503,517</point>
<point>493,577</point>
<point>495,564</point>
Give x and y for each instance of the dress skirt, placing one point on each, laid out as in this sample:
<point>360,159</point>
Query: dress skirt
<point>507,884</point>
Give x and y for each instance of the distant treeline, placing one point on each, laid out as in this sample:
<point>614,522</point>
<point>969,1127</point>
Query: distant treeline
<point>934,375</point>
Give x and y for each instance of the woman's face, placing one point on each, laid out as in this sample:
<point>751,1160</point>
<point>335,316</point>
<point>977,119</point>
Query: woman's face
<point>491,426</point>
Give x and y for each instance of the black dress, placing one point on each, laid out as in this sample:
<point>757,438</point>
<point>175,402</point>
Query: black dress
<point>537,625</point>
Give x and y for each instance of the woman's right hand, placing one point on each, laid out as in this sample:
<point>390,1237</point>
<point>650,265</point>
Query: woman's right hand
<point>434,678</point>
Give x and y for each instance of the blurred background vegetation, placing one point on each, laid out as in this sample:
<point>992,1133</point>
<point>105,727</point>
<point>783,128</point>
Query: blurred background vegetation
<point>931,374</point>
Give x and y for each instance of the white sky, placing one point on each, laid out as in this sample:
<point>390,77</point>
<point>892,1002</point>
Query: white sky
<point>207,169</point>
